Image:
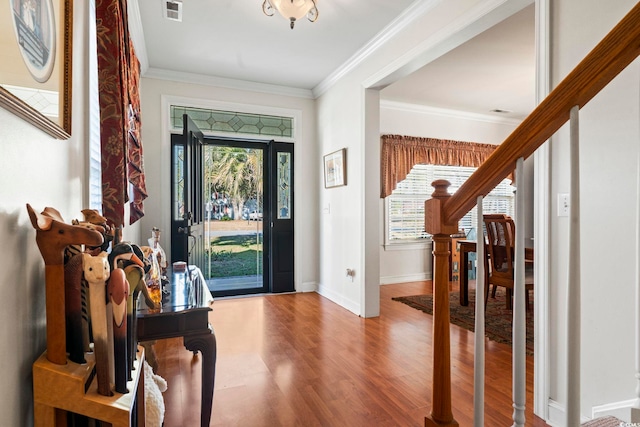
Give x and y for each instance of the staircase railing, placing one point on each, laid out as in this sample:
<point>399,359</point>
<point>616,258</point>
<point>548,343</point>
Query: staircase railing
<point>612,55</point>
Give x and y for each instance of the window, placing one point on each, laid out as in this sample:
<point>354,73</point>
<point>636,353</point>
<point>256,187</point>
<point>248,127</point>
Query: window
<point>218,121</point>
<point>95,155</point>
<point>404,208</point>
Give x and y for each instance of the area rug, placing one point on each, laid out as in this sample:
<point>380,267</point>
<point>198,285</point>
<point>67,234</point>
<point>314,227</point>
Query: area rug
<point>498,318</point>
<point>605,422</point>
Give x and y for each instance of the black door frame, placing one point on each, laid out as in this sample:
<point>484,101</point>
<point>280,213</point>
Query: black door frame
<point>278,264</point>
<point>187,240</point>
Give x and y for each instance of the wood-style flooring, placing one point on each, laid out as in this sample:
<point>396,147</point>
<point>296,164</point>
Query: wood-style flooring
<point>302,360</point>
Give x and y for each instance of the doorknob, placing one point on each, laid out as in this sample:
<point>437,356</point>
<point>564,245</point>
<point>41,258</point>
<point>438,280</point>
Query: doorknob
<point>185,230</point>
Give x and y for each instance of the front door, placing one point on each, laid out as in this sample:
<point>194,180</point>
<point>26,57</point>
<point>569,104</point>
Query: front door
<point>187,220</point>
<point>237,217</point>
<point>232,203</point>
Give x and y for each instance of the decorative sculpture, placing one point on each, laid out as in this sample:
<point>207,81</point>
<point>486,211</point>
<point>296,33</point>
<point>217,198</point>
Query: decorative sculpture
<point>130,258</point>
<point>154,280</point>
<point>93,216</point>
<point>52,236</point>
<point>73,308</point>
<point>96,273</point>
<point>159,253</point>
<point>135,277</point>
<point>118,290</point>
<point>124,251</point>
<point>99,224</point>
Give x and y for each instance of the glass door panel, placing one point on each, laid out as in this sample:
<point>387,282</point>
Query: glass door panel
<point>234,202</point>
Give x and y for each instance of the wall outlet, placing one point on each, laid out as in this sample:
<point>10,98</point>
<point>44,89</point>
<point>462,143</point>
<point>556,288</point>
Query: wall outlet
<point>563,204</point>
<point>351,273</point>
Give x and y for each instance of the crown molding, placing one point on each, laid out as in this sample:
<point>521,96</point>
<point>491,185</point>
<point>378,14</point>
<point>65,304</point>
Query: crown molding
<point>473,22</point>
<point>137,35</point>
<point>417,9</point>
<point>444,112</point>
<point>222,82</point>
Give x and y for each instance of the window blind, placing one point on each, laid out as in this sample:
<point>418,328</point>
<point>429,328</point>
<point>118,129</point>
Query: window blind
<point>95,157</point>
<point>405,206</point>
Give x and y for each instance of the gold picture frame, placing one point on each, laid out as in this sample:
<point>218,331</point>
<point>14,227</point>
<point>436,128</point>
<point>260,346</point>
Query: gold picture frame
<point>335,169</point>
<point>35,62</point>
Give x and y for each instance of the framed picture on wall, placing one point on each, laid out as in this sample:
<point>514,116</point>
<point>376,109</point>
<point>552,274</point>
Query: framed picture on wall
<point>335,169</point>
<point>35,63</point>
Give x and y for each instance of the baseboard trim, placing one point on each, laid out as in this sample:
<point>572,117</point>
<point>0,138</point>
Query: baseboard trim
<point>388,280</point>
<point>308,287</point>
<point>558,415</point>
<point>339,299</point>
<point>621,410</point>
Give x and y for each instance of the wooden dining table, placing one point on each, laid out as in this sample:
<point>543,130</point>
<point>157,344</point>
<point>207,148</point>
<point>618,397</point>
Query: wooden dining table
<point>466,246</point>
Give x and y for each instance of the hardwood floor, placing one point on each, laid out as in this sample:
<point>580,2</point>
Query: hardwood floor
<point>302,360</point>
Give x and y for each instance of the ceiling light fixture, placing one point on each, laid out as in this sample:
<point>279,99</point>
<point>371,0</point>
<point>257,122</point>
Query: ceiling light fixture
<point>292,9</point>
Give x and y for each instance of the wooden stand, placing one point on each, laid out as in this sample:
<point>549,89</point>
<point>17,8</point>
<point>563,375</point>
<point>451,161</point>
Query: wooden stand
<point>58,389</point>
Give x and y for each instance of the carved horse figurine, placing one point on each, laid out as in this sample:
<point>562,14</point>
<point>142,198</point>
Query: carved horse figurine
<point>118,290</point>
<point>96,273</point>
<point>52,236</point>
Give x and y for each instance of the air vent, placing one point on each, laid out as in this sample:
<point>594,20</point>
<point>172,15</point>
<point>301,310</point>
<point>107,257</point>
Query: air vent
<point>173,10</point>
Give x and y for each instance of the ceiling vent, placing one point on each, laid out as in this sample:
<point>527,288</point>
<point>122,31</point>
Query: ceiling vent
<point>173,10</point>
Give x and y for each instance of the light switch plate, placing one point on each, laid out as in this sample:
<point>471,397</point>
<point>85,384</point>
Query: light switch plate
<point>563,204</point>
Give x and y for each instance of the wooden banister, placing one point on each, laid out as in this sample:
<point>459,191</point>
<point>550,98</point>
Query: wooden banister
<point>612,55</point>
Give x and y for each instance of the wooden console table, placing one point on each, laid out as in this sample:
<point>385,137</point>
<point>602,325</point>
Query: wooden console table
<point>59,389</point>
<point>185,313</point>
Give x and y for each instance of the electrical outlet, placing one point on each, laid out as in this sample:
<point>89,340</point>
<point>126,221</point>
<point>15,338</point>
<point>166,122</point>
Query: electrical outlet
<point>563,204</point>
<point>351,273</point>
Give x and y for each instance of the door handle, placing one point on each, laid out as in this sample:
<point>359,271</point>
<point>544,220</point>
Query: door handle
<point>185,230</point>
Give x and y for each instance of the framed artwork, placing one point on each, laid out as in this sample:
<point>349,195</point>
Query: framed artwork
<point>335,169</point>
<point>35,62</point>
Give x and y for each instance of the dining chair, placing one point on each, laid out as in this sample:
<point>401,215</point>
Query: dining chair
<point>500,234</point>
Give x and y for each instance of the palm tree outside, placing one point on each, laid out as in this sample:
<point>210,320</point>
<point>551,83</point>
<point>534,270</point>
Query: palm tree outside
<point>233,192</point>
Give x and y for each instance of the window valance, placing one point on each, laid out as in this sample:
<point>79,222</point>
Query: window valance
<point>400,153</point>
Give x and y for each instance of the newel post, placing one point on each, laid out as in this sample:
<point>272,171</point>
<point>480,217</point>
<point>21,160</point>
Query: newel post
<point>441,414</point>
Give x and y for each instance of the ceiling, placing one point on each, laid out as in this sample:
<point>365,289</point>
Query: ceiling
<point>234,40</point>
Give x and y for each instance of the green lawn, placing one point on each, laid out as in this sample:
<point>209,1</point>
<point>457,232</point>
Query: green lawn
<point>235,256</point>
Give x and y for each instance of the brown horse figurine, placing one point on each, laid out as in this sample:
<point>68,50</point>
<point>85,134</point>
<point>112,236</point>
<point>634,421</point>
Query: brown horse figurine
<point>52,236</point>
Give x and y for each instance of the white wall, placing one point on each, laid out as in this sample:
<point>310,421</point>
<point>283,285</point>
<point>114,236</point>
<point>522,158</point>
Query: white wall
<point>155,134</point>
<point>342,122</point>
<point>41,171</point>
<point>609,136</point>
<point>401,263</point>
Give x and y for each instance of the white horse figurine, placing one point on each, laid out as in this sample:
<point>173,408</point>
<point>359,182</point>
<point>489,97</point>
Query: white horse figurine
<point>96,273</point>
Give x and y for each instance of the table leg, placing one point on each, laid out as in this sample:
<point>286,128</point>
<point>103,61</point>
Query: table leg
<point>464,278</point>
<point>206,344</point>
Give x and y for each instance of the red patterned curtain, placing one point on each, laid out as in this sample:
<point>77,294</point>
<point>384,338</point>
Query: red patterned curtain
<point>399,154</point>
<point>119,80</point>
